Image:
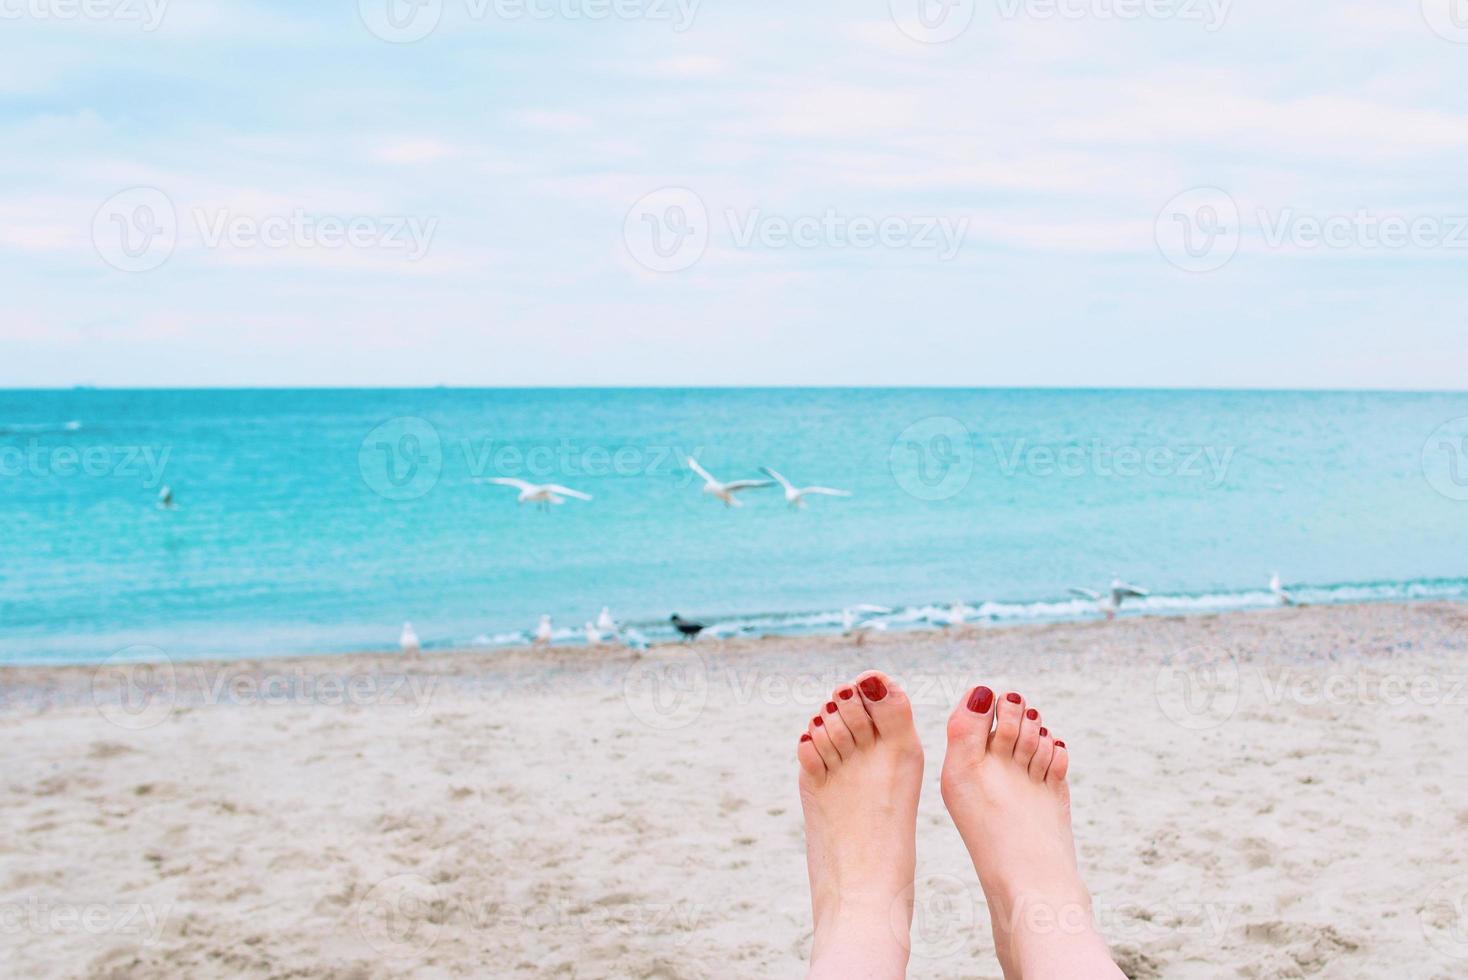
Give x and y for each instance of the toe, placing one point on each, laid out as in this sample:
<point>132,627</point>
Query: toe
<point>1059,765</point>
<point>822,741</point>
<point>1006,725</point>
<point>835,727</point>
<point>970,723</point>
<point>1044,750</point>
<point>810,760</point>
<point>1029,737</point>
<point>887,705</point>
<point>854,713</point>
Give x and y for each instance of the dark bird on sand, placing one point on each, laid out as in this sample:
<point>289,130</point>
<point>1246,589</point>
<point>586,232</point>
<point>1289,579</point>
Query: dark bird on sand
<point>688,628</point>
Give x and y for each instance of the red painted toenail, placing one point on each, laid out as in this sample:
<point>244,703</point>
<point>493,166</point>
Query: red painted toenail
<point>980,699</point>
<point>1013,698</point>
<point>1059,744</point>
<point>830,707</point>
<point>818,721</point>
<point>805,736</point>
<point>1044,731</point>
<point>845,694</point>
<point>1032,714</point>
<point>874,689</point>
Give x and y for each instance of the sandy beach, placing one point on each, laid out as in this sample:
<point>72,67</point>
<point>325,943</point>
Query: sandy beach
<point>1270,794</point>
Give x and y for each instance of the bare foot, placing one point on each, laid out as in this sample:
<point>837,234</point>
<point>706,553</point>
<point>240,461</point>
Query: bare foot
<point>1006,791</point>
<point>861,767</point>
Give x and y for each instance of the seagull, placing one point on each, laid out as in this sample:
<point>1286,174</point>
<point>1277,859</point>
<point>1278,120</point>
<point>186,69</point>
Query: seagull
<point>724,491</point>
<point>605,622</point>
<point>688,628</point>
<point>634,640</point>
<point>795,496</point>
<point>165,498</point>
<point>409,641</point>
<point>1121,591</point>
<point>544,494</point>
<point>1285,599</point>
<point>1109,604</point>
<point>543,632</point>
<point>852,623</point>
<point>593,635</point>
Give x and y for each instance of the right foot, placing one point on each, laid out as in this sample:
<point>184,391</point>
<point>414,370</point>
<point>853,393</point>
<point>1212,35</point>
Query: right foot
<point>1005,789</point>
<point>861,767</point>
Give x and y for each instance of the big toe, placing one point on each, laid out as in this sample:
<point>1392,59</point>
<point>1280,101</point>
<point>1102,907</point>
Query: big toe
<point>970,722</point>
<point>888,707</point>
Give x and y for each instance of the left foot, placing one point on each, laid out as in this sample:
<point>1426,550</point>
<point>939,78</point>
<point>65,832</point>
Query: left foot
<point>861,767</point>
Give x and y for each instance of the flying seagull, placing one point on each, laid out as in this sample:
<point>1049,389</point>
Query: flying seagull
<point>1285,599</point>
<point>543,494</point>
<point>688,628</point>
<point>1109,603</point>
<point>724,491</point>
<point>543,632</point>
<point>409,641</point>
<point>795,496</point>
<point>165,499</point>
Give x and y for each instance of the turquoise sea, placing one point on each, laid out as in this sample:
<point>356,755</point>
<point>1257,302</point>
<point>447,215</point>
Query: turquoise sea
<point>320,520</point>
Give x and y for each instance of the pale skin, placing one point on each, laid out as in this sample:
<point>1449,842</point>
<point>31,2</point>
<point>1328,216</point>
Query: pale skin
<point>1004,784</point>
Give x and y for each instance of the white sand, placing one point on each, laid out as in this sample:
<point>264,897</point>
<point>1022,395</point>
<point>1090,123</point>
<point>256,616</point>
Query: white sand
<point>533,814</point>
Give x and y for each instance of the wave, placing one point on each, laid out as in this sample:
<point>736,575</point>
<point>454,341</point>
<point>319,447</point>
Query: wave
<point>997,612</point>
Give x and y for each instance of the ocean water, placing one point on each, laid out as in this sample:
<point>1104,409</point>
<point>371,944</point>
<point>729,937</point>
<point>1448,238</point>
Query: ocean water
<point>318,521</point>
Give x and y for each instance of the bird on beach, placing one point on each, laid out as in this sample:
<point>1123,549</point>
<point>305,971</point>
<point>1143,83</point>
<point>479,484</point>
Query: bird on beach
<point>543,632</point>
<point>634,640</point>
<point>165,498</point>
<point>542,494</point>
<point>795,496</point>
<point>686,627</point>
<point>409,641</point>
<point>593,635</point>
<point>954,615</point>
<point>1285,599</point>
<point>1109,603</point>
<point>725,491</point>
<point>606,623</point>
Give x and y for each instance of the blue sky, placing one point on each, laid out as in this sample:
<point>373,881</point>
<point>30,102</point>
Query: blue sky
<point>841,197</point>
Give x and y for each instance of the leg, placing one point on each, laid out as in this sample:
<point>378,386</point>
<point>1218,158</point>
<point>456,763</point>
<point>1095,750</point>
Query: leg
<point>1004,785</point>
<point>861,767</point>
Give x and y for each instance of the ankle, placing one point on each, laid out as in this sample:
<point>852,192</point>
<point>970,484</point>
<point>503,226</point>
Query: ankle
<point>863,936</point>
